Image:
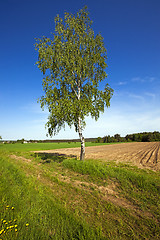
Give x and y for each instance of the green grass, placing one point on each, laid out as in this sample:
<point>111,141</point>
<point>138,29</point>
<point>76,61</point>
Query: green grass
<point>64,198</point>
<point>35,204</point>
<point>18,147</point>
<point>134,183</point>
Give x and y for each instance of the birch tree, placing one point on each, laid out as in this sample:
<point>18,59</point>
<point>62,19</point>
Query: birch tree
<point>73,62</point>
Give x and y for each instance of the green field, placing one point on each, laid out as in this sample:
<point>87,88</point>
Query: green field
<point>54,197</point>
<point>18,147</point>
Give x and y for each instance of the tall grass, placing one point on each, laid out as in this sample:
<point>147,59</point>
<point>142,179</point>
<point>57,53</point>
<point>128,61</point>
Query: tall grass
<point>134,183</point>
<point>35,205</point>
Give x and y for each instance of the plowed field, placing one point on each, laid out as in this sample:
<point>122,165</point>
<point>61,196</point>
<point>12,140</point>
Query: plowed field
<point>140,154</point>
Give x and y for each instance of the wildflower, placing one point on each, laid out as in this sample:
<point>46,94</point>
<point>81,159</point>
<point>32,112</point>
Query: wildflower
<point>12,208</point>
<point>27,224</point>
<point>1,231</point>
<point>15,226</point>
<point>4,221</point>
<point>16,229</point>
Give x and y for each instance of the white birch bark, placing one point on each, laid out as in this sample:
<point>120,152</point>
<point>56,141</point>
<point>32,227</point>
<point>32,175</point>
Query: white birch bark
<point>82,155</point>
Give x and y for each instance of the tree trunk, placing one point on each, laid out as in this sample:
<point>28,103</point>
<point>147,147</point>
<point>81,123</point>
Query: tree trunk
<point>82,155</point>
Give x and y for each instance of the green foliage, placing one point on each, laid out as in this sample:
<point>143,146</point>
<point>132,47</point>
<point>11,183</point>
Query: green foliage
<point>73,64</point>
<point>20,141</point>
<point>144,137</point>
<point>135,137</point>
<point>99,140</point>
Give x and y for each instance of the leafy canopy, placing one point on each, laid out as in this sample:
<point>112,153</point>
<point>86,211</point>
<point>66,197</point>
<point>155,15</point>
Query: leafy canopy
<point>73,64</point>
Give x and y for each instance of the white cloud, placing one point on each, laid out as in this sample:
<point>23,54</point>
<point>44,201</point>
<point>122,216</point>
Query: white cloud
<point>122,83</point>
<point>143,80</point>
<point>152,95</point>
<point>137,79</point>
<point>140,97</point>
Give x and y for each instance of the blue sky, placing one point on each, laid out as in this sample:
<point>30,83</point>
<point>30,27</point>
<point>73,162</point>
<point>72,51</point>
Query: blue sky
<point>131,32</point>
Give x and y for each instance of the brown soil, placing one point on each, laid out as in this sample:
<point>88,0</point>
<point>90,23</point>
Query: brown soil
<point>143,155</point>
<point>20,158</point>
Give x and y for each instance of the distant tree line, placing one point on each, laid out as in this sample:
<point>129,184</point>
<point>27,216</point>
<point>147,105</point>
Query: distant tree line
<point>135,137</point>
<point>22,141</point>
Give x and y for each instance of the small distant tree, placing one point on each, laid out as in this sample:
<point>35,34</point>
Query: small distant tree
<point>99,140</point>
<point>73,64</point>
<point>20,140</point>
<point>108,138</point>
<point>117,137</point>
<point>156,136</point>
<point>105,139</point>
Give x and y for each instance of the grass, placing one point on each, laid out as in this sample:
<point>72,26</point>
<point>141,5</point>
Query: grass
<point>18,147</point>
<point>133,183</point>
<point>64,198</point>
<point>35,204</point>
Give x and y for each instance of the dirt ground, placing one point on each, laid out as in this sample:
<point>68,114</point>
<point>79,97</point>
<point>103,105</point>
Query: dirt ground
<point>143,155</point>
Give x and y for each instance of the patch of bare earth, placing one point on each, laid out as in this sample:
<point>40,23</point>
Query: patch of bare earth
<point>141,154</point>
<point>20,158</point>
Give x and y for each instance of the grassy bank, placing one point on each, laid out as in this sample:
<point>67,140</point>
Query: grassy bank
<point>48,197</point>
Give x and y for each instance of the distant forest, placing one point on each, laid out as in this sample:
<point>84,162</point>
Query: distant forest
<point>135,137</point>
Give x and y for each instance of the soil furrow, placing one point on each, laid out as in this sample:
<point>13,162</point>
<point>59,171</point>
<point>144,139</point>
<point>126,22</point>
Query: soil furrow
<point>147,153</point>
<point>155,161</point>
<point>151,155</point>
<point>141,154</point>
